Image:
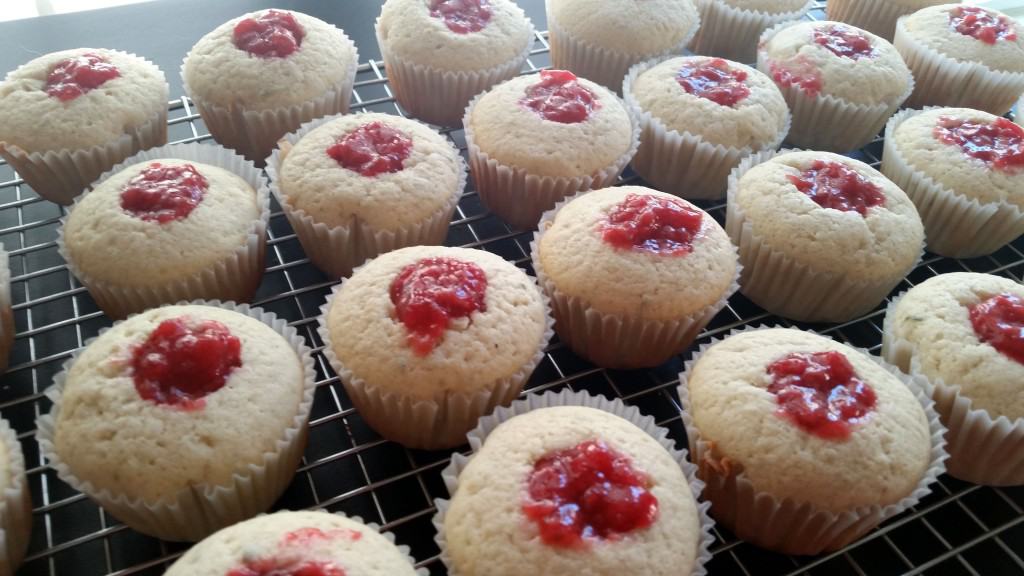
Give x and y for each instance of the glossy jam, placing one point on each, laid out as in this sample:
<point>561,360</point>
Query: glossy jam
<point>844,41</point>
<point>799,72</point>
<point>714,80</point>
<point>999,321</point>
<point>372,149</point>
<point>286,567</point>
<point>183,360</point>
<point>275,34</point>
<point>429,294</point>
<point>654,224</point>
<point>305,537</point>
<point>999,144</point>
<point>836,185</point>
<point>981,24</point>
<point>560,97</point>
<point>73,77</point>
<point>164,193</point>
<point>462,16</point>
<point>588,492</point>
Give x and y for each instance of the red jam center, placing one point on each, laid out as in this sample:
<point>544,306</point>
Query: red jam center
<point>1000,144</point>
<point>559,97</point>
<point>462,16</point>
<point>183,360</point>
<point>73,77</point>
<point>653,224</point>
<point>799,72</point>
<point>999,321</point>
<point>164,193</point>
<point>286,567</point>
<point>836,185</point>
<point>372,149</point>
<point>714,80</point>
<point>821,393</point>
<point>588,491</point>
<point>844,41</point>
<point>275,34</point>
<point>981,24</point>
<point>430,293</point>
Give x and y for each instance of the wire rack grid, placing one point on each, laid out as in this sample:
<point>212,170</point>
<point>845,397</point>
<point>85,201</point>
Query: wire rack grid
<point>959,529</point>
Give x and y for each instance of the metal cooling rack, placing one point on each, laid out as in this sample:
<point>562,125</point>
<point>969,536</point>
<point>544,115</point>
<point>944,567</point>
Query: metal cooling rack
<point>959,529</point>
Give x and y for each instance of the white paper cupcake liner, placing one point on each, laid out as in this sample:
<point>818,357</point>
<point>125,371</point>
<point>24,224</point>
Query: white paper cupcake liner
<point>201,509</point>
<point>7,328</point>
<point>15,505</point>
<point>944,81</point>
<point>488,424</point>
<point>876,16</point>
<point>732,33</point>
<point>982,449</point>
<point>236,277</point>
<point>955,225</point>
<point>338,250</point>
<point>519,197</point>
<point>786,525</point>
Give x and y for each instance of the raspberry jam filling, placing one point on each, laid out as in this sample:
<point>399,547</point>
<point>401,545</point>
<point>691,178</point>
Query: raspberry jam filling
<point>844,41</point>
<point>164,193</point>
<point>999,144</point>
<point>275,34</point>
<point>286,567</point>
<point>836,185</point>
<point>588,492</point>
<point>462,16</point>
<point>560,97</point>
<point>655,224</point>
<point>429,294</point>
<point>73,77</point>
<point>183,360</point>
<point>981,24</point>
<point>799,72</point>
<point>999,321</point>
<point>821,393</point>
<point>714,80</point>
<point>308,536</point>
<point>372,149</point>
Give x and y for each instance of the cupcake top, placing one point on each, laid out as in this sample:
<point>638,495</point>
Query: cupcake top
<point>633,251</point>
<point>835,59</point>
<point>159,221</point>
<point>966,329</point>
<point>175,397</point>
<point>972,153</point>
<point>268,59</point>
<point>969,34</point>
<point>636,27</point>
<point>810,419</point>
<point>769,6</point>
<point>505,517</point>
<point>300,543</point>
<point>78,99</point>
<point>430,319</point>
<point>381,170</point>
<point>453,35</point>
<point>831,213</point>
<point>551,124</point>
<point>719,101</point>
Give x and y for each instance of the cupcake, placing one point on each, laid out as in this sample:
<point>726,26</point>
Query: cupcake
<point>15,503</point>
<point>180,222</point>
<point>100,107</point>
<point>964,169</point>
<point>258,77</point>
<point>440,53</point>
<point>360,185</point>
<point>599,40</point>
<point>427,339</point>
<point>876,16</point>
<point>183,419</point>
<point>963,56</point>
<point>821,237</point>
<point>7,328</point>
<point>806,444</point>
<point>730,28</point>
<point>299,544</point>
<point>698,118</point>
<point>841,82</point>
<point>537,139</point>
<point>633,274</point>
<point>963,332</point>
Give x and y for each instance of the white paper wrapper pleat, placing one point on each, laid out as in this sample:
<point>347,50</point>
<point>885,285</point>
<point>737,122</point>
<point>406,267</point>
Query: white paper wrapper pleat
<point>876,16</point>
<point>730,32</point>
<point>235,277</point>
<point>200,509</point>
<point>487,424</point>
<point>785,525</point>
<point>15,505</point>
<point>7,328</point>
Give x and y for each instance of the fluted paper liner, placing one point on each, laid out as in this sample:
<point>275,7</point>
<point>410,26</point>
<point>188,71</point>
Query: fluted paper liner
<point>876,16</point>
<point>7,328</point>
<point>201,509</point>
<point>530,402</point>
<point>338,250</point>
<point>982,449</point>
<point>236,277</point>
<point>731,32</point>
<point>788,526</point>
<point>956,225</point>
<point>15,505</point>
